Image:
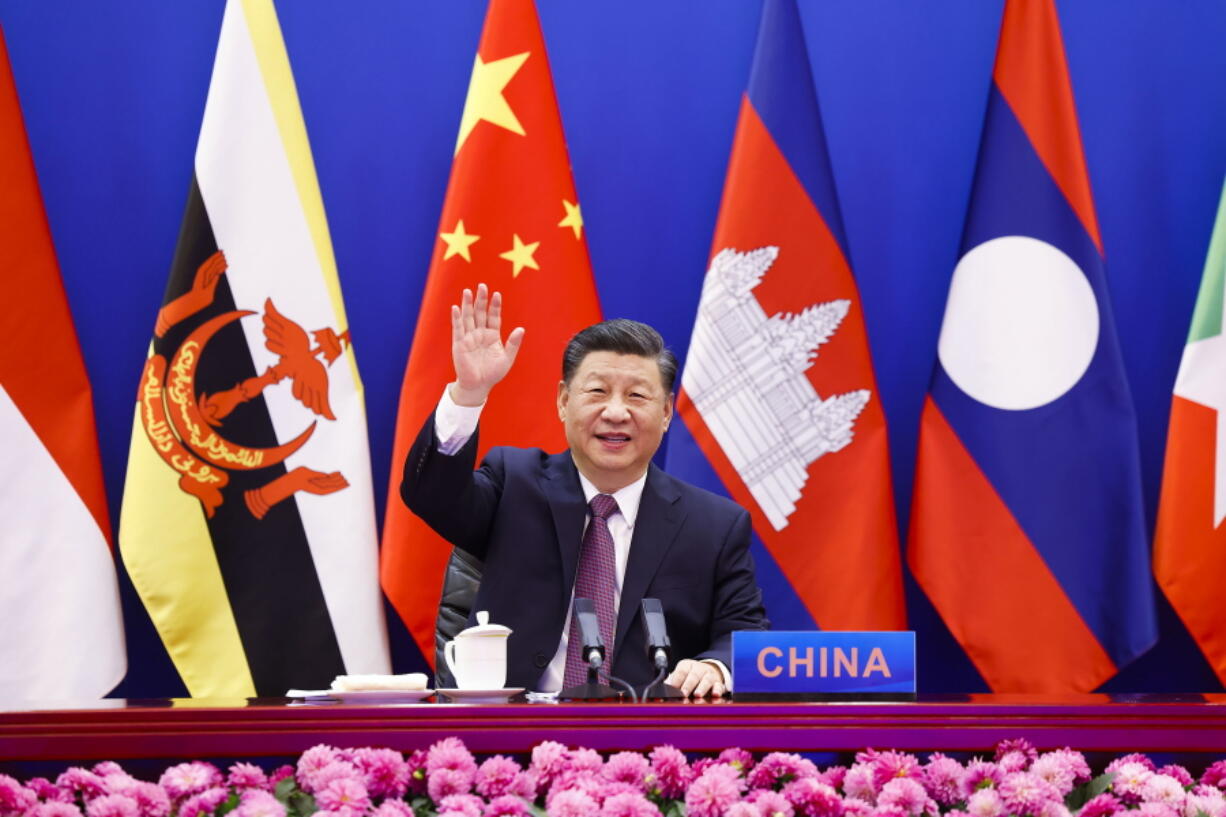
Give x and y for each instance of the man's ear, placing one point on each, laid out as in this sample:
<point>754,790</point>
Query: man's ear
<point>563,396</point>
<point>668,411</point>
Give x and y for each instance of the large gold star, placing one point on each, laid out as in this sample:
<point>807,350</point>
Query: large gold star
<point>520,255</point>
<point>573,219</point>
<point>485,99</point>
<point>458,242</point>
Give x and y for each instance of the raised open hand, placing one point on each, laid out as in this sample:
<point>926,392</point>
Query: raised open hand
<point>481,358</point>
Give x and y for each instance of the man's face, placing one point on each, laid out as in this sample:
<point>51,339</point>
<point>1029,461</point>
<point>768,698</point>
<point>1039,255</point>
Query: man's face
<point>615,411</point>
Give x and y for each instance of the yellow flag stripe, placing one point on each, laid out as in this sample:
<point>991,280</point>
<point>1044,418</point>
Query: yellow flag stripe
<point>269,45</point>
<point>169,555</point>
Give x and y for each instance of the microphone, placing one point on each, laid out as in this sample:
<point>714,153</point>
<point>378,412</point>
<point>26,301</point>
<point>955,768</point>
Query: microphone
<point>658,650</point>
<point>589,631</point>
<point>657,633</point>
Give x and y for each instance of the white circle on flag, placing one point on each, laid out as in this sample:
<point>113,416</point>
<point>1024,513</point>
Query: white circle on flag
<point>1021,323</point>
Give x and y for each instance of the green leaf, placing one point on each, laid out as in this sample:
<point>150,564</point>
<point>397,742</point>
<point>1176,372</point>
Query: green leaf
<point>675,808</point>
<point>228,806</point>
<point>284,789</point>
<point>300,804</point>
<point>1081,795</point>
<point>536,810</point>
<point>422,806</point>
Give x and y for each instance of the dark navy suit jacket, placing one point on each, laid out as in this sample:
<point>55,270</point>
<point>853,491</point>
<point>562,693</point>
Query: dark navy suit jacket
<point>523,513</point>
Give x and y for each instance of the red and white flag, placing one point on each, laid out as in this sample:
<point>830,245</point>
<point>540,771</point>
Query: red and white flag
<point>511,219</point>
<point>63,633</point>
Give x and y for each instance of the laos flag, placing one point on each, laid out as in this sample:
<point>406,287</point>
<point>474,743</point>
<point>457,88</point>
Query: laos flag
<point>1026,526</point>
<point>778,403</point>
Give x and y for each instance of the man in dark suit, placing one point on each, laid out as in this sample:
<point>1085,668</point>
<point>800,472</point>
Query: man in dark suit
<point>598,520</point>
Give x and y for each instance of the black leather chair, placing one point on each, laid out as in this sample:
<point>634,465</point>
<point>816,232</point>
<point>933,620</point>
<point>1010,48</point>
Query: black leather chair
<point>460,584</point>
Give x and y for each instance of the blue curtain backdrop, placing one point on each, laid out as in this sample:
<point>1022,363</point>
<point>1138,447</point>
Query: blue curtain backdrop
<point>113,95</point>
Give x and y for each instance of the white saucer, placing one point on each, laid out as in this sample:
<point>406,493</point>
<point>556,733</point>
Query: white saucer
<point>372,696</point>
<point>492,695</point>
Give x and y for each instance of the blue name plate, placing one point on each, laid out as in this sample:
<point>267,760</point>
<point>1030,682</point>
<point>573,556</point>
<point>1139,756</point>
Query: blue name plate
<point>823,662</point>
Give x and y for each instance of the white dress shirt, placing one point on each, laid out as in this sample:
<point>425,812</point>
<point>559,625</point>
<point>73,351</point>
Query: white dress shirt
<point>455,424</point>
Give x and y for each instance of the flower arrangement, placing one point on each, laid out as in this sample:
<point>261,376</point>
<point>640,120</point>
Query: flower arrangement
<point>447,781</point>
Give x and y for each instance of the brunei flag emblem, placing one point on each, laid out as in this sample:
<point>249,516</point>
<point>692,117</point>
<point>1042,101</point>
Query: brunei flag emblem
<point>248,517</point>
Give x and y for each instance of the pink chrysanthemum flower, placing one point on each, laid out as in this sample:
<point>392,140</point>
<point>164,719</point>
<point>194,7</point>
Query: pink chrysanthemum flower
<point>416,762</point>
<point>392,808</point>
<point>770,803</point>
<point>780,768</point>
<point>187,779</point>
<point>833,776</point>
<point>813,798</point>
<point>1055,769</point>
<point>317,778</point>
<point>344,795</point>
<point>107,768</point>
<point>670,771</point>
<point>54,808</point>
<point>443,782</point>
<point>1162,788</point>
<point>702,764</point>
<point>855,807</point>
<point>627,767</point>
<point>283,772</point>
<point>119,782</point>
<point>508,805</point>
<point>1133,757</point>
<point>571,803</point>
<point>1025,793</point>
<point>711,794</point>
<point>628,804</point>
<point>1076,763</point>
<point>904,793</point>
<point>1205,800</point>
<point>1215,775</point>
<point>14,797</point>
<point>44,789</point>
<point>1129,781</point>
<point>246,776</point>
<point>383,771</point>
<point>259,803</point>
<point>742,808</point>
<point>981,774</point>
<point>738,758</point>
<point>1054,808</point>
<point>495,776</point>
<point>150,798</point>
<point>585,760</point>
<point>1102,805</point>
<point>83,782</point>
<point>985,803</point>
<point>888,811</point>
<point>889,765</point>
<point>467,804</point>
<point>956,812</point>
<point>548,760</point>
<point>944,778</point>
<point>1156,810</point>
<point>579,780</point>
<point>859,783</point>
<point>450,753</point>
<point>1016,746</point>
<point>206,802</point>
<point>1179,773</point>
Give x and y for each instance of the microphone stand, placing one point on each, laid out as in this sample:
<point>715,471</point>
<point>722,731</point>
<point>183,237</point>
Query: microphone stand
<point>593,690</point>
<point>666,692</point>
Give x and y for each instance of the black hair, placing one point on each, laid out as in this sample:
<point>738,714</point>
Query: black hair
<point>625,337</point>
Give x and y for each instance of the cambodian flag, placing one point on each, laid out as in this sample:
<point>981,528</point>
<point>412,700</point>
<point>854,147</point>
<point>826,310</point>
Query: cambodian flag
<point>1026,527</point>
<point>778,401</point>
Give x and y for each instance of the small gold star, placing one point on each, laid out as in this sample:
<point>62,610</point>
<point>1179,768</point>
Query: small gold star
<point>573,219</point>
<point>520,255</point>
<point>458,242</point>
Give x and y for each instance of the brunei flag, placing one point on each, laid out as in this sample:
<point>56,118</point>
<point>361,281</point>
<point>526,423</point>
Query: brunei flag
<point>248,522</point>
<point>1026,527</point>
<point>63,633</point>
<point>1190,541</point>
<point>511,219</point>
<point>778,404</point>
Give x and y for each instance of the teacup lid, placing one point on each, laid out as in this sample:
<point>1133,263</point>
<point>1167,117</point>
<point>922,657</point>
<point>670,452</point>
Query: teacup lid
<point>484,628</point>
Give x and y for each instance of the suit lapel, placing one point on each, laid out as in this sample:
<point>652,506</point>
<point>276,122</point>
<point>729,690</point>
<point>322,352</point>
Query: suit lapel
<point>566,503</point>
<point>659,518</point>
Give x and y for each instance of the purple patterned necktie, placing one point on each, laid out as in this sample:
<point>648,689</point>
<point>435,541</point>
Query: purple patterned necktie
<point>595,579</point>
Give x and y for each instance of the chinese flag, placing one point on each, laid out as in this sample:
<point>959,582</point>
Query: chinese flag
<point>511,219</point>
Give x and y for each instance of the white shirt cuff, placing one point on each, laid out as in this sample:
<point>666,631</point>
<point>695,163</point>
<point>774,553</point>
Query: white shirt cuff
<point>454,425</point>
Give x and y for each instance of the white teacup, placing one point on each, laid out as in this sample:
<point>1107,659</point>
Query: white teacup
<point>477,657</point>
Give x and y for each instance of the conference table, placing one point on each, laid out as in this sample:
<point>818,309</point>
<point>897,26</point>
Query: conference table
<point>278,727</point>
